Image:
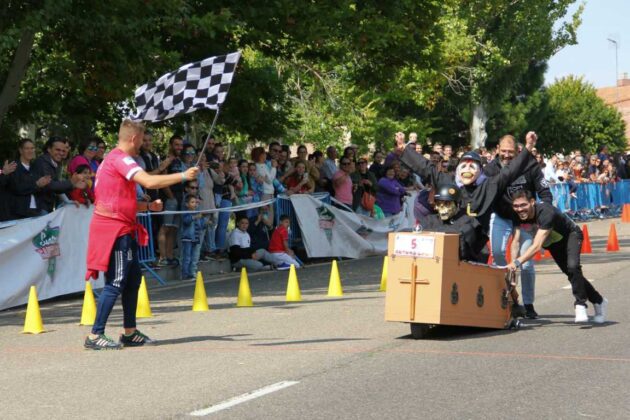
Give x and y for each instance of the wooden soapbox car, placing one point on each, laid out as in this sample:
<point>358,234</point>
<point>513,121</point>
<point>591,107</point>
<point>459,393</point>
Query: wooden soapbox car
<point>428,285</point>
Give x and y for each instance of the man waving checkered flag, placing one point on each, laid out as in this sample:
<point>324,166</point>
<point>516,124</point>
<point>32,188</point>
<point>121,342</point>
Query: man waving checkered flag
<point>193,86</point>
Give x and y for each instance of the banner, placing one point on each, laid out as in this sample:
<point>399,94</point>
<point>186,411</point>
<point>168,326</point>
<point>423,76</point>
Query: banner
<point>48,252</point>
<point>330,232</point>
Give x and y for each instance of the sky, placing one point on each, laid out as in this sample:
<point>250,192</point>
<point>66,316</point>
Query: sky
<point>594,56</point>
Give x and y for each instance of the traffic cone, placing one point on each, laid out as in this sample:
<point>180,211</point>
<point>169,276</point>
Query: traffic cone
<point>33,322</point>
<point>625,215</point>
<point>613,243</point>
<point>334,285</point>
<point>88,314</point>
<point>293,287</point>
<point>244,293</point>
<point>586,243</point>
<point>546,255</point>
<point>383,287</point>
<point>537,256</point>
<point>200,299</point>
<point>144,307</point>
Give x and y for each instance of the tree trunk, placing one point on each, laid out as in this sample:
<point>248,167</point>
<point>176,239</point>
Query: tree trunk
<point>16,74</point>
<point>478,133</point>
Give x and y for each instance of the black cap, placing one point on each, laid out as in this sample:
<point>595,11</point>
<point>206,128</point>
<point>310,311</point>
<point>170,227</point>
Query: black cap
<point>471,156</point>
<point>447,192</point>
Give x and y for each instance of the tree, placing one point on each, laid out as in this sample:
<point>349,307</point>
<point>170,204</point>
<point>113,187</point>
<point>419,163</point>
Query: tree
<point>578,119</point>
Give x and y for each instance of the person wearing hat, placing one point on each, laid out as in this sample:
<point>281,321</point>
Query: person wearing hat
<point>478,192</point>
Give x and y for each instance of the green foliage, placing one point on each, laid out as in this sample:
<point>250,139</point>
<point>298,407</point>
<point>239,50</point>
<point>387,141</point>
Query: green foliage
<point>578,119</point>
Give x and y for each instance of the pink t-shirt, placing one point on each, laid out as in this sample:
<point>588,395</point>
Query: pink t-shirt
<point>114,188</point>
<point>343,192</point>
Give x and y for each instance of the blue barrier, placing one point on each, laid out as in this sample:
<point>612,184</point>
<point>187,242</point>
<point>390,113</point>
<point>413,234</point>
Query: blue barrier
<point>283,206</point>
<point>146,254</point>
<point>588,199</point>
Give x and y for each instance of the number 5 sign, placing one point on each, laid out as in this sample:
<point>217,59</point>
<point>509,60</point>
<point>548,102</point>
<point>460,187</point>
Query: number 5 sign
<point>406,245</point>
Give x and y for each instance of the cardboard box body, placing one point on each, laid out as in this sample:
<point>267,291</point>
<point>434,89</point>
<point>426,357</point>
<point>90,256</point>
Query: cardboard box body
<point>428,284</point>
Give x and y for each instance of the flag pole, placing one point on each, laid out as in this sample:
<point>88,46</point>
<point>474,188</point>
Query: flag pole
<point>205,143</point>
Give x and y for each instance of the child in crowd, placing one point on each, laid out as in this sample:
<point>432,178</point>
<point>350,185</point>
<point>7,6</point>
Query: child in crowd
<point>242,254</point>
<point>282,256</point>
<point>192,226</point>
<point>83,195</point>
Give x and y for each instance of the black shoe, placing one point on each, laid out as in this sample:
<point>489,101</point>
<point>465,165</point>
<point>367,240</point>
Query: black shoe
<point>136,339</point>
<point>518,311</point>
<point>530,312</point>
<point>102,342</point>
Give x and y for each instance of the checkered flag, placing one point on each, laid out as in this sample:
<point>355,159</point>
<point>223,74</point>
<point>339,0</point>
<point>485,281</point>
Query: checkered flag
<point>193,86</point>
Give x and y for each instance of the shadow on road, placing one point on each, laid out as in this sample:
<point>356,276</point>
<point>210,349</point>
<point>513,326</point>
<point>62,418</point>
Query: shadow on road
<point>322,340</point>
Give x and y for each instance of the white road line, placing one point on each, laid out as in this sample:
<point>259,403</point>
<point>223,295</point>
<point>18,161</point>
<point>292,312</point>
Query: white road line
<point>243,398</point>
<point>569,286</point>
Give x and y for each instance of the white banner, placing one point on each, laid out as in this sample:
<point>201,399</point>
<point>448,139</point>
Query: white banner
<point>330,232</point>
<point>48,252</point>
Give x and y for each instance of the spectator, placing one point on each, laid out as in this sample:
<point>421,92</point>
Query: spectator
<point>100,154</point>
<point>5,197</point>
<point>299,182</point>
<point>550,169</point>
<point>377,167</point>
<point>366,183</point>
<point>205,182</point>
<point>329,167</point>
<point>392,156</point>
<point>49,164</point>
<point>342,183</point>
<point>302,154</point>
<point>284,166</point>
<point>274,151</point>
<point>281,254</point>
<point>192,225</point>
<point>87,154</point>
<point>172,197</point>
<point>255,182</point>
<point>593,168</point>
<point>83,195</point>
<point>350,153</point>
<point>244,194</point>
<point>24,185</point>
<point>322,184</point>
<point>602,153</point>
<point>189,155</point>
<point>389,193</point>
<point>151,162</point>
<point>242,254</point>
<point>266,173</point>
<point>260,228</point>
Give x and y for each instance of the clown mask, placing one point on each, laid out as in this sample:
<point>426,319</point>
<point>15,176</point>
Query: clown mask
<point>446,209</point>
<point>468,172</point>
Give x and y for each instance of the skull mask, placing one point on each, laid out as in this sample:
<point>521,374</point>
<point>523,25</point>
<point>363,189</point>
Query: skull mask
<point>468,171</point>
<point>446,209</point>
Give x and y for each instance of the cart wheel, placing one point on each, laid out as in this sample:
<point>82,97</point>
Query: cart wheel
<point>419,331</point>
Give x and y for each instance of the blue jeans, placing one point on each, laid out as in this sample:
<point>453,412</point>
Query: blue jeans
<point>189,249</point>
<point>123,276</point>
<point>224,218</point>
<point>500,231</point>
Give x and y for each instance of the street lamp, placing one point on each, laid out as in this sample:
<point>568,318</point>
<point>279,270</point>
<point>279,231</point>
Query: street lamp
<point>616,59</point>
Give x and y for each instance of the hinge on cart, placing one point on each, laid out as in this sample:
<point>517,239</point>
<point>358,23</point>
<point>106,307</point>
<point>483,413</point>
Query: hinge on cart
<point>480,297</point>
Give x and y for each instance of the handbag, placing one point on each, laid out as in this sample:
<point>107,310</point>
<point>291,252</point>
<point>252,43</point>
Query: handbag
<point>367,201</point>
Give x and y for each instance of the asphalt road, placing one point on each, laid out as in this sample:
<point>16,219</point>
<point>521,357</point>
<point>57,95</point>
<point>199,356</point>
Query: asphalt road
<point>327,358</point>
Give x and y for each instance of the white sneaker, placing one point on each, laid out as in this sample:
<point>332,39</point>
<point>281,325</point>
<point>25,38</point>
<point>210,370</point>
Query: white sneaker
<point>601,311</point>
<point>580,313</point>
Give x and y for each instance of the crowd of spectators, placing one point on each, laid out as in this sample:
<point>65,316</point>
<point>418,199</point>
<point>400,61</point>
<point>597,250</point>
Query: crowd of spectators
<point>373,185</point>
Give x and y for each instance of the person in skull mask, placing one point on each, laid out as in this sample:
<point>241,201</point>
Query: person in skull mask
<point>450,218</point>
<point>478,192</point>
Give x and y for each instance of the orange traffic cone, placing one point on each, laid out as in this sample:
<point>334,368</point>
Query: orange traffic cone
<point>625,215</point>
<point>537,256</point>
<point>613,243</point>
<point>546,254</point>
<point>586,243</point>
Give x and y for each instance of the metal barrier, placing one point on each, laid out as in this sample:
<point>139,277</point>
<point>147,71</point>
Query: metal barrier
<point>146,254</point>
<point>589,200</point>
<point>283,206</point>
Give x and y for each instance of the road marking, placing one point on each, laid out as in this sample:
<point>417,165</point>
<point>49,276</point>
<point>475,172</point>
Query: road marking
<point>243,398</point>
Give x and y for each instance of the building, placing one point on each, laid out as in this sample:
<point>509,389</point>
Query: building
<point>619,97</point>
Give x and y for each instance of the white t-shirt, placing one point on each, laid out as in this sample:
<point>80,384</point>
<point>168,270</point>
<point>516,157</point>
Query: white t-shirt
<point>32,205</point>
<point>240,239</point>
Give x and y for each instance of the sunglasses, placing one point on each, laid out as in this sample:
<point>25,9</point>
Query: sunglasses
<point>92,148</point>
<point>189,153</point>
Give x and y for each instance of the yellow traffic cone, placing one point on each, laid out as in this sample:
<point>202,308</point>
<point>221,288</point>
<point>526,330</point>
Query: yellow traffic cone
<point>244,292</point>
<point>334,285</point>
<point>144,307</point>
<point>200,299</point>
<point>293,287</point>
<point>33,323</point>
<point>88,314</point>
<point>383,287</point>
